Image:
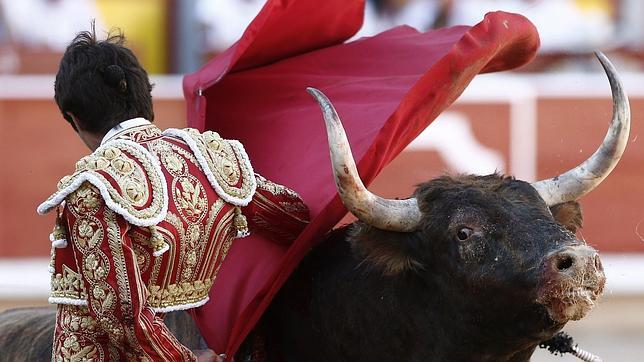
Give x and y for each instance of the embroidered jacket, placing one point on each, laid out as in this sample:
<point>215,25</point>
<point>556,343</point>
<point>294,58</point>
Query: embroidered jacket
<point>143,226</point>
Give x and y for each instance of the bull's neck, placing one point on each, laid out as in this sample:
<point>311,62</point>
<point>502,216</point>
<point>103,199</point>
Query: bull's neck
<point>459,328</point>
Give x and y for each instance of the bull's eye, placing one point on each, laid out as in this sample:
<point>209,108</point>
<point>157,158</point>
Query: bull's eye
<point>464,233</point>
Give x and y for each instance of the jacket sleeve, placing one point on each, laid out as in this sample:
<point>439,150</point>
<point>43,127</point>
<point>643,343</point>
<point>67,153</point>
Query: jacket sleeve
<point>276,212</point>
<point>116,294</point>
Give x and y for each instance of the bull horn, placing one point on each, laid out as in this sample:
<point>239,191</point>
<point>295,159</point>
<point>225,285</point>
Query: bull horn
<point>582,179</point>
<point>385,214</point>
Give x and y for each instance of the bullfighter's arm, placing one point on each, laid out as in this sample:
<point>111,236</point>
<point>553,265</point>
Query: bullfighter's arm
<point>276,212</point>
<point>116,294</point>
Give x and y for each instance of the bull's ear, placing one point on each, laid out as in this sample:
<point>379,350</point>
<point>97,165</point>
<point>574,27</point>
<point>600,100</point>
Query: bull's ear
<point>569,215</point>
<point>387,251</point>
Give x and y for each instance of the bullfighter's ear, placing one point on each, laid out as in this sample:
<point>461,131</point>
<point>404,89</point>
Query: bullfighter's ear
<point>387,251</point>
<point>568,215</point>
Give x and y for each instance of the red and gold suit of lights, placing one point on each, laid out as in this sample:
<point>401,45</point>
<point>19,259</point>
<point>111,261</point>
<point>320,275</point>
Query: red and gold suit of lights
<point>143,226</point>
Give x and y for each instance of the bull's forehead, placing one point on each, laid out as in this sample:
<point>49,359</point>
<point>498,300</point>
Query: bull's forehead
<point>494,193</point>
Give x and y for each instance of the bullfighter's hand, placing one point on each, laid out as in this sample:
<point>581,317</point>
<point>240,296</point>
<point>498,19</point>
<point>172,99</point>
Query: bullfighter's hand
<point>208,355</point>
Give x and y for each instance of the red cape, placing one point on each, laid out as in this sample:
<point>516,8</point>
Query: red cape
<point>386,88</point>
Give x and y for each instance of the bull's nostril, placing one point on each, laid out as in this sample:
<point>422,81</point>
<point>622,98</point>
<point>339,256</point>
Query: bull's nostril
<point>598,263</point>
<point>564,263</point>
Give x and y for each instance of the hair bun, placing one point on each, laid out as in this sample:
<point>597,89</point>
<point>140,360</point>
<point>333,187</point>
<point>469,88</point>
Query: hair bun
<point>115,77</point>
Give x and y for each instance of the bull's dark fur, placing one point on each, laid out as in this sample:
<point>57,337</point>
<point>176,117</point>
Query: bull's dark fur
<point>26,334</point>
<point>425,295</point>
<point>367,295</point>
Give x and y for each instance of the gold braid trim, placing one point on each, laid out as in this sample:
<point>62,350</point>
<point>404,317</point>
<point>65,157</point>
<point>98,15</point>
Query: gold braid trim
<point>224,162</point>
<point>124,172</point>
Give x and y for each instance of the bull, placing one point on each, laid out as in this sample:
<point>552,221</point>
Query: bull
<point>470,268</point>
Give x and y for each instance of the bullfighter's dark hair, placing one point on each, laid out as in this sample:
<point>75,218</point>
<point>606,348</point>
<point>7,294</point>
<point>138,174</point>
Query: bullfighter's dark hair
<point>101,83</point>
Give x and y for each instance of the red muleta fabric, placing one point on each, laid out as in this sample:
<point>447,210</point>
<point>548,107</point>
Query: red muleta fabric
<point>386,88</point>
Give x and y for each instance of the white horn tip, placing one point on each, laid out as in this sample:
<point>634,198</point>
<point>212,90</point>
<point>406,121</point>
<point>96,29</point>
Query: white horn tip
<point>606,64</point>
<point>318,95</point>
<point>325,104</point>
<point>600,55</point>
<point>313,91</point>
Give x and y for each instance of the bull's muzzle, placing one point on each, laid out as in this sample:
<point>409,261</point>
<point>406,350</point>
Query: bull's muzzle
<point>572,281</point>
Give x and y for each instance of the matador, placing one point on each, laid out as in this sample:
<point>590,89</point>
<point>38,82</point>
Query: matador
<point>145,222</point>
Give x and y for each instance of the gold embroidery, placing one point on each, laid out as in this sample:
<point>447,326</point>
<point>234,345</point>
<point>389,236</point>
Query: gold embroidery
<point>191,241</point>
<point>273,188</point>
<point>156,240</point>
<point>205,260</point>
<point>225,160</point>
<point>111,153</point>
<point>141,242</point>
<point>135,191</point>
<point>189,197</point>
<point>114,329</point>
<point>141,133</point>
<point>67,284</point>
<point>123,166</point>
<point>114,242</point>
<point>71,351</point>
<point>103,298</point>
<point>129,176</point>
<point>225,247</point>
<point>179,293</point>
<point>193,235</point>
<point>52,260</point>
<point>174,164</point>
<point>297,207</point>
<point>178,225</point>
<point>85,200</point>
<point>140,260</point>
<point>80,166</point>
<point>86,229</point>
<point>167,148</point>
<point>124,293</point>
<point>226,234</point>
<point>156,269</point>
<point>66,180</point>
<point>97,163</point>
<point>213,140</point>
<point>59,232</point>
<point>88,233</point>
<point>95,267</point>
<point>77,319</point>
<point>241,224</point>
<point>289,208</point>
<point>76,340</point>
<point>142,257</point>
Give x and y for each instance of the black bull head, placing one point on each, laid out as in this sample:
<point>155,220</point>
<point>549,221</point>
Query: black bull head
<point>468,268</point>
